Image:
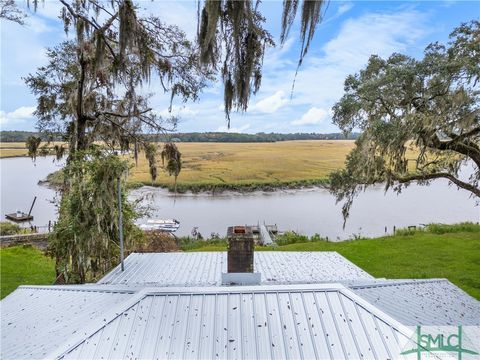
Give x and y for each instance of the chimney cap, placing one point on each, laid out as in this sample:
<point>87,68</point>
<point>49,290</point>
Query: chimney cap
<point>239,230</point>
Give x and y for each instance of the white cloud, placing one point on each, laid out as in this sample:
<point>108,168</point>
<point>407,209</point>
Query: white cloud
<point>343,8</point>
<point>224,128</point>
<point>180,13</point>
<point>271,104</point>
<point>313,116</point>
<point>319,83</point>
<point>17,116</point>
<point>179,111</point>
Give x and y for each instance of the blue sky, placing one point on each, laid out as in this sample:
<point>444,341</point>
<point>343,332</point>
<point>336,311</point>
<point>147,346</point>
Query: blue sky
<point>350,32</point>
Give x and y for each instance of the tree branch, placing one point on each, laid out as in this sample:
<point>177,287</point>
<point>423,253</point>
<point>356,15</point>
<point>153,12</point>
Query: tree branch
<point>469,149</point>
<point>450,177</point>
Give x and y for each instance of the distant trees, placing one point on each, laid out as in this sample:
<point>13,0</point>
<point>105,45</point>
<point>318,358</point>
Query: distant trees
<point>21,136</point>
<point>420,119</point>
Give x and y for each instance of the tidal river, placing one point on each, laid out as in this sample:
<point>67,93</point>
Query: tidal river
<point>306,211</point>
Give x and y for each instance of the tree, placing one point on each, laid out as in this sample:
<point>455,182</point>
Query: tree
<point>10,11</point>
<point>92,89</point>
<point>420,119</point>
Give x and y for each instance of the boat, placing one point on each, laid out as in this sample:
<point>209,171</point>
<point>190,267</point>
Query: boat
<point>167,225</point>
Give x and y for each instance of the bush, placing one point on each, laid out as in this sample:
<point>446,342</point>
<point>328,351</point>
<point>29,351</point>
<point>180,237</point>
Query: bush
<point>461,227</point>
<point>188,243</point>
<point>8,228</point>
<point>440,229</point>
<point>291,237</point>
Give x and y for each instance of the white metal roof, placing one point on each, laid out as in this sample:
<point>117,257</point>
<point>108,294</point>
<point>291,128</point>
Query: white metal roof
<point>35,320</point>
<point>205,268</point>
<point>422,302</point>
<point>294,321</point>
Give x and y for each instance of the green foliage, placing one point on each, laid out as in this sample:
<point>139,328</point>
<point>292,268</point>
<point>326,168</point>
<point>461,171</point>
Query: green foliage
<point>24,265</point>
<point>441,229</point>
<point>420,119</point>
<point>446,229</point>
<point>85,239</point>
<point>8,228</point>
<point>290,237</point>
<point>190,244</point>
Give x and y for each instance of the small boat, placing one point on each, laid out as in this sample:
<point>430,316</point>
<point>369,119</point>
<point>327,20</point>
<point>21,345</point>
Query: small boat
<point>167,225</point>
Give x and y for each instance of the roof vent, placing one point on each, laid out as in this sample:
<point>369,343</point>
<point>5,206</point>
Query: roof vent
<point>240,257</point>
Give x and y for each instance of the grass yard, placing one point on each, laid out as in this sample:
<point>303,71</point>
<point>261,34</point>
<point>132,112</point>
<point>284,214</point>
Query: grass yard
<point>244,164</point>
<point>24,265</point>
<point>417,255</point>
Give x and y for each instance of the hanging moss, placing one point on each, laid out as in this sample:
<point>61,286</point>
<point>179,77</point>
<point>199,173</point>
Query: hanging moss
<point>85,240</point>
<point>33,144</point>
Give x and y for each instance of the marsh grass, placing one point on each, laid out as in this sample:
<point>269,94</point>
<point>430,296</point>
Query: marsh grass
<point>250,166</point>
<point>18,149</point>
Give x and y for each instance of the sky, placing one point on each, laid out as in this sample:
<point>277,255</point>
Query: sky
<point>351,31</point>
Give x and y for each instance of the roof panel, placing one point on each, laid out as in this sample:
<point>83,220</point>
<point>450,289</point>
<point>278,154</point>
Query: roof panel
<point>35,320</point>
<point>205,268</point>
<point>295,321</point>
<point>422,302</point>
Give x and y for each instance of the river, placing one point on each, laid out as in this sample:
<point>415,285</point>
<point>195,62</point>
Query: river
<point>306,211</point>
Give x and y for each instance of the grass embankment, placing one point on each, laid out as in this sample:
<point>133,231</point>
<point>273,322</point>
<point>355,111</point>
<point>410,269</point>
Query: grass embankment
<point>439,251</point>
<point>24,265</point>
<point>250,166</point>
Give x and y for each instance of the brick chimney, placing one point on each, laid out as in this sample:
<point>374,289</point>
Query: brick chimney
<point>240,256</point>
<point>240,249</point>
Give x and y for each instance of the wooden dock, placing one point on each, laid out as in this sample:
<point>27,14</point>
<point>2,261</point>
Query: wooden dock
<point>19,217</point>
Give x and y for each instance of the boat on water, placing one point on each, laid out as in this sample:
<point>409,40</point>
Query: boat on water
<point>167,225</point>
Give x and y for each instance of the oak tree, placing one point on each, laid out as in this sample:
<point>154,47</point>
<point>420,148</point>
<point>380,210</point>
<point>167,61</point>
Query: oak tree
<point>419,118</point>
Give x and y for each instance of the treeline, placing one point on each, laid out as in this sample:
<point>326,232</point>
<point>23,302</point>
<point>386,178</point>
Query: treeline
<point>259,137</point>
<point>21,136</point>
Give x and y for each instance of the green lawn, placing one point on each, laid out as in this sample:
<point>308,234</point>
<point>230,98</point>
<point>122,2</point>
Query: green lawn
<point>21,265</point>
<point>455,256</point>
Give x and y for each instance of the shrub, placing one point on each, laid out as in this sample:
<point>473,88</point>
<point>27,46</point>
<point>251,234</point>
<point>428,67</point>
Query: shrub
<point>8,228</point>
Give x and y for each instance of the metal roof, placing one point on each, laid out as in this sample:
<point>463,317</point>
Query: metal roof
<point>294,321</point>
<point>205,268</point>
<point>35,320</point>
<point>422,302</point>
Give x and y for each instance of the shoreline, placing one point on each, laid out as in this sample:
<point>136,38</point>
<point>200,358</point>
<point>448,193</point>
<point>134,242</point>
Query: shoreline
<point>206,188</point>
<point>54,181</point>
